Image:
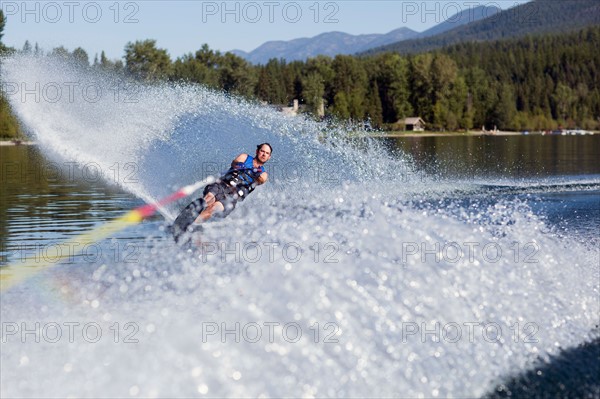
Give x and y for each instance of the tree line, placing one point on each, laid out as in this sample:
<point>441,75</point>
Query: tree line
<point>9,127</point>
<point>533,83</point>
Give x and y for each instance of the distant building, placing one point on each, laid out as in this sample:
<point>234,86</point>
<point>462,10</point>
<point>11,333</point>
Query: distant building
<point>321,110</point>
<point>414,123</point>
<point>296,108</point>
<point>290,111</point>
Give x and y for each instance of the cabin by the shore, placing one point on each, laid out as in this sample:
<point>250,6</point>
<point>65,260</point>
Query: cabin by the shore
<point>414,123</point>
<point>290,111</point>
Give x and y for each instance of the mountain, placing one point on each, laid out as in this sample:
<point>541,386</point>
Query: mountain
<point>331,44</point>
<point>535,17</point>
<point>461,18</point>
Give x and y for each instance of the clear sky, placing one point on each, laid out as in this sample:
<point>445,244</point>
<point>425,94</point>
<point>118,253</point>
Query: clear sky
<point>183,26</point>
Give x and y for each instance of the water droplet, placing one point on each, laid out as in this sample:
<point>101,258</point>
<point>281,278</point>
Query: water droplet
<point>203,389</point>
<point>196,371</point>
<point>134,390</point>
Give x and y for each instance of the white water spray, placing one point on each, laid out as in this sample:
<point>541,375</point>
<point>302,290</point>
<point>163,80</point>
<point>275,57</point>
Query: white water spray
<point>331,280</point>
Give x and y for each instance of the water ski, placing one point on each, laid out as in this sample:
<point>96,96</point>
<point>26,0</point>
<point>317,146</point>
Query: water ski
<point>183,223</point>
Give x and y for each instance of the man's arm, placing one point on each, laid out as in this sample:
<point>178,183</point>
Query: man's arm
<point>239,159</point>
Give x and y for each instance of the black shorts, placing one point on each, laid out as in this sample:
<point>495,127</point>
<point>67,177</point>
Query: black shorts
<point>225,194</point>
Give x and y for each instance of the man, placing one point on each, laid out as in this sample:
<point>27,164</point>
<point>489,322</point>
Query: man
<point>240,180</point>
<point>220,198</point>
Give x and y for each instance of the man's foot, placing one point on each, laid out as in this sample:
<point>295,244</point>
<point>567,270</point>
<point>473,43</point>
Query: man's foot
<point>186,218</point>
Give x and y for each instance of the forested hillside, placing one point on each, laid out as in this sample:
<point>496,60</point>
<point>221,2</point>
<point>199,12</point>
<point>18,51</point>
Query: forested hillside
<point>535,17</point>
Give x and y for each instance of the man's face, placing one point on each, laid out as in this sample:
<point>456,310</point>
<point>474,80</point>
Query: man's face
<point>263,153</point>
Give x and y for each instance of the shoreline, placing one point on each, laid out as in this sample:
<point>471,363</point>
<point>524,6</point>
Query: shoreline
<point>6,143</point>
<point>13,142</point>
<point>476,133</point>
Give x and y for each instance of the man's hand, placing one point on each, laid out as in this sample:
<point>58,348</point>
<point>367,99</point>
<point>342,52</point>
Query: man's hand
<point>262,179</point>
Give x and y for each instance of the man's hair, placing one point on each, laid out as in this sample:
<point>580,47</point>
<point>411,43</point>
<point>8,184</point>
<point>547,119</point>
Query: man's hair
<point>260,145</point>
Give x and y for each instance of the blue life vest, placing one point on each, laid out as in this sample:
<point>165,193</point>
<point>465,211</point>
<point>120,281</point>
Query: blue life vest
<point>244,177</point>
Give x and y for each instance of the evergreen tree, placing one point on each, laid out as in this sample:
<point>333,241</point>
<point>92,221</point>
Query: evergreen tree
<point>374,108</point>
<point>421,86</point>
<point>350,79</point>
<point>271,84</point>
<point>313,91</point>
<point>144,60</point>
<point>27,47</point>
<point>61,52</point>
<point>211,59</point>
<point>201,67</point>
<point>264,86</point>
<point>188,68</point>
<point>9,127</point>
<point>340,108</point>
<point>563,101</point>
<point>462,102</point>
<point>2,24</point>
<point>391,73</point>
<point>103,60</point>
<point>504,110</point>
<point>81,57</point>
<point>321,66</point>
<point>236,76</point>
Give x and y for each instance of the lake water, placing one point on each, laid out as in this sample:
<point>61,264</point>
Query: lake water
<point>414,267</point>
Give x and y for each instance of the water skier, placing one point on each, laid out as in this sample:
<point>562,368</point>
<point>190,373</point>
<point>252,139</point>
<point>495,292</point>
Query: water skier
<point>221,197</point>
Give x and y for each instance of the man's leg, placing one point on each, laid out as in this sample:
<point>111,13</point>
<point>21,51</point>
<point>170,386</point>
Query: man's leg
<point>212,206</point>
